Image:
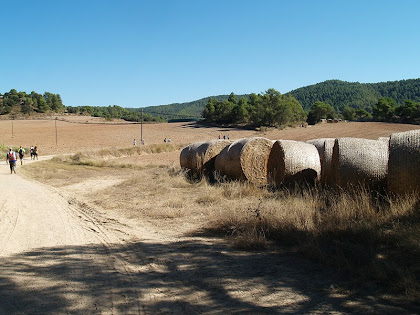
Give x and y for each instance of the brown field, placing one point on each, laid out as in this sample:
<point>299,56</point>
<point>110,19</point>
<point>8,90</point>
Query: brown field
<point>179,247</point>
<point>79,133</point>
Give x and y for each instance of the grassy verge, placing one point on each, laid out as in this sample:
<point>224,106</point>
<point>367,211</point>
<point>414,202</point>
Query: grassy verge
<point>368,238</point>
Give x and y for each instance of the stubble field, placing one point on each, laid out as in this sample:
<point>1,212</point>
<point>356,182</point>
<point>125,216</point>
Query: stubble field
<point>70,134</point>
<point>281,251</point>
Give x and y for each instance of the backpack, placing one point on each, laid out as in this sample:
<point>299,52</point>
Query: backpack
<point>11,156</point>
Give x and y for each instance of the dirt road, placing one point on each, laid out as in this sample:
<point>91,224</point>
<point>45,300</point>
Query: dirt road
<point>59,255</point>
<point>55,257</point>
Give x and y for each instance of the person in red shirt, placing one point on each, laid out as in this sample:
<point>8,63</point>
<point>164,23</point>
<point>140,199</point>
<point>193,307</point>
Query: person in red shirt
<point>11,158</point>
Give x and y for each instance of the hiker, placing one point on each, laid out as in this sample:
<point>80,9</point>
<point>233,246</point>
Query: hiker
<point>11,158</point>
<point>32,152</point>
<point>135,142</point>
<point>21,153</point>
<point>35,152</point>
<point>164,140</point>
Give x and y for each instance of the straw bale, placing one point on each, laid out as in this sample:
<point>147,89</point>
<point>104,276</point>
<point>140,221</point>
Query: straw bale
<point>188,158</point>
<point>319,145</point>
<point>245,159</point>
<point>293,161</point>
<point>187,155</point>
<point>360,161</point>
<point>386,139</point>
<point>404,162</point>
<point>198,158</point>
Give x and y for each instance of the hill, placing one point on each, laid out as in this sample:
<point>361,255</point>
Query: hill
<point>340,94</point>
<point>187,110</point>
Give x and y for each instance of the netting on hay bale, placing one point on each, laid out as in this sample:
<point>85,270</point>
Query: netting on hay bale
<point>319,145</point>
<point>293,162</point>
<point>385,139</point>
<point>198,158</point>
<point>245,159</point>
<point>404,162</point>
<point>360,162</point>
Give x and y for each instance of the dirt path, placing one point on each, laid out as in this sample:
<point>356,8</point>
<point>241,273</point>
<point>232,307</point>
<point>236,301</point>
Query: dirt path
<point>60,255</point>
<point>55,257</point>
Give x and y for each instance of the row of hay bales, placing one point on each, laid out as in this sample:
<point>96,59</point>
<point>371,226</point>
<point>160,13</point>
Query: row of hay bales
<point>257,160</point>
<point>389,163</point>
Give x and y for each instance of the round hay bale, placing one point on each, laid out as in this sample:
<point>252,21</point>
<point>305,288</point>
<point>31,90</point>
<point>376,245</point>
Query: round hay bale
<point>385,139</point>
<point>293,161</point>
<point>245,159</point>
<point>360,162</point>
<point>404,162</point>
<point>199,157</point>
<point>319,145</point>
<point>187,155</point>
<point>205,157</point>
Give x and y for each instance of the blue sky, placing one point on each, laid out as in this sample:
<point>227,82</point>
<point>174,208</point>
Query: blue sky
<point>143,53</point>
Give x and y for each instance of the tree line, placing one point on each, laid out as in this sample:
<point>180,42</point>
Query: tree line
<point>397,101</point>
<point>386,109</point>
<point>29,103</point>
<point>268,109</point>
<point>21,102</point>
<point>277,110</point>
<point>114,112</point>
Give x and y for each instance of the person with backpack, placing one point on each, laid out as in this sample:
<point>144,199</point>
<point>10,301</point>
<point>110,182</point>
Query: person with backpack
<point>35,152</point>
<point>11,158</point>
<point>21,153</point>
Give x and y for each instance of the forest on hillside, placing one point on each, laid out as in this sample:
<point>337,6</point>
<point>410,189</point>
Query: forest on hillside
<point>396,101</point>
<point>341,94</point>
<point>187,110</point>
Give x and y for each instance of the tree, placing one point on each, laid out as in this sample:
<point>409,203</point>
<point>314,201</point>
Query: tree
<point>408,111</point>
<point>27,105</point>
<point>209,110</point>
<point>232,98</point>
<point>349,113</point>
<point>240,112</point>
<point>42,105</point>
<point>384,109</point>
<point>320,110</point>
<point>362,114</point>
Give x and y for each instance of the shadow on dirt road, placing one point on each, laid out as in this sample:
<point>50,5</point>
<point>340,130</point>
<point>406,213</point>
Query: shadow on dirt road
<point>185,277</point>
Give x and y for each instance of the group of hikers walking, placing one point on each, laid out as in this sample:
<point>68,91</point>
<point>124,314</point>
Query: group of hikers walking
<point>12,156</point>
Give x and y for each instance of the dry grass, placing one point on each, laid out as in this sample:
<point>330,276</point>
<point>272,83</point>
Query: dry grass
<point>368,237</point>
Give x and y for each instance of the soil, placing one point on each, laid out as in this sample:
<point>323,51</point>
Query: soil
<point>70,134</point>
<point>62,255</point>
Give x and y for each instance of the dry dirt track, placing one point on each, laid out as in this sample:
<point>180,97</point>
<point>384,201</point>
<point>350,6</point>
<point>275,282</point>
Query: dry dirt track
<point>55,257</point>
<point>60,256</point>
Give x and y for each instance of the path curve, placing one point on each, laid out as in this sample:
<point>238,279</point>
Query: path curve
<point>56,257</point>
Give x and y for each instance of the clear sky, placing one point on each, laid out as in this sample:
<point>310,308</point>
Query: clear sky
<point>142,53</point>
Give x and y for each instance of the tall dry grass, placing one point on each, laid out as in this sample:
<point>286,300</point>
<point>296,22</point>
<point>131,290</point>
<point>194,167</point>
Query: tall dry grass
<point>368,236</point>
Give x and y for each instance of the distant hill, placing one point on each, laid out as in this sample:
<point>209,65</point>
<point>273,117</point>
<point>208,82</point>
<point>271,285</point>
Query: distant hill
<point>188,110</point>
<point>338,94</point>
<point>357,95</point>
